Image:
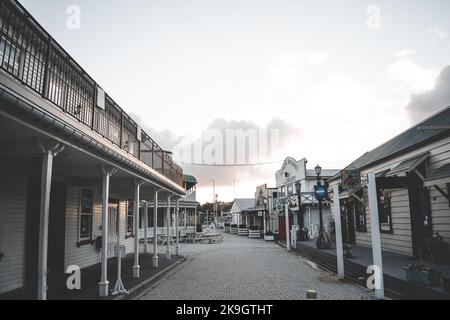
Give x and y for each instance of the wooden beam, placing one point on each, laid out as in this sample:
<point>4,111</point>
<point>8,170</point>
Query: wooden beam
<point>442,191</point>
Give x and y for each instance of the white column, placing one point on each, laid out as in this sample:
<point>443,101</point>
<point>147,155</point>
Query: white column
<point>168,256</point>
<point>49,150</point>
<point>185,221</point>
<point>137,190</point>
<point>177,247</point>
<point>264,222</point>
<point>376,239</point>
<point>155,231</point>
<point>195,220</point>
<point>146,227</point>
<point>104,283</point>
<point>286,214</point>
<point>339,248</point>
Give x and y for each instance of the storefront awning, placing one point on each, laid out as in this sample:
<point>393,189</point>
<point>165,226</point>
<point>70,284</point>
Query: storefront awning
<point>347,194</point>
<point>409,165</point>
<point>438,177</point>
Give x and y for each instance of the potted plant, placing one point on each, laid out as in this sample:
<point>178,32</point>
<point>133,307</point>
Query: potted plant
<point>424,275</point>
<point>446,281</point>
<point>436,249</point>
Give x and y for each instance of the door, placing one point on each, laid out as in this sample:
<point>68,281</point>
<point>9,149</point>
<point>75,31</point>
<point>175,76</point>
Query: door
<point>113,227</point>
<point>56,238</point>
<point>282,226</point>
<point>351,218</point>
<point>420,211</point>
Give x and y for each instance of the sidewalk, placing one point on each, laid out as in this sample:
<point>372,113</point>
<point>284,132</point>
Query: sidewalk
<point>90,278</point>
<point>393,264</point>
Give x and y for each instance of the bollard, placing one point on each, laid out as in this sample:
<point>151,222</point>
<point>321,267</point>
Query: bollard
<point>311,295</point>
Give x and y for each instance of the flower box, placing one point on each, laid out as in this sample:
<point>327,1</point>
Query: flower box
<point>254,234</point>
<point>424,276</point>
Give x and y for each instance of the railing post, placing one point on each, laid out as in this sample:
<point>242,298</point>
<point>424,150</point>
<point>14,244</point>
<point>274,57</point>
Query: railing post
<point>45,82</point>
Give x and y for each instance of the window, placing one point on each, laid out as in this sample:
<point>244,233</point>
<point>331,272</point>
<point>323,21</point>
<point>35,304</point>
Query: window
<point>385,210</point>
<point>360,217</point>
<point>150,217</point>
<point>86,215</point>
<point>130,218</point>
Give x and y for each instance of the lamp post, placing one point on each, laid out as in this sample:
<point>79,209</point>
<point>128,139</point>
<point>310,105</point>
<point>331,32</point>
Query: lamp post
<point>322,242</point>
<point>303,235</point>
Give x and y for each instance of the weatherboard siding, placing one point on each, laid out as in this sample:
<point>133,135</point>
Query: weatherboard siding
<point>400,241</point>
<point>13,213</point>
<point>86,255</point>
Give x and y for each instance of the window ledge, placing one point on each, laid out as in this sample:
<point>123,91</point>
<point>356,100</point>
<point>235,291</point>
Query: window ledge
<point>85,243</point>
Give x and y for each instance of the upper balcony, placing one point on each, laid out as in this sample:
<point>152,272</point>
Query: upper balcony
<point>31,56</point>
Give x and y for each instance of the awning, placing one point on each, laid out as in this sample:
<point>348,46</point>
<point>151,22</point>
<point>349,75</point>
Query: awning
<point>347,194</point>
<point>438,177</point>
<point>409,165</point>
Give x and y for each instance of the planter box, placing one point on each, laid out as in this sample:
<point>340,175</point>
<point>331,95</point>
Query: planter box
<point>243,232</point>
<point>432,279</point>
<point>227,230</point>
<point>234,230</point>
<point>269,237</point>
<point>446,284</point>
<point>254,234</point>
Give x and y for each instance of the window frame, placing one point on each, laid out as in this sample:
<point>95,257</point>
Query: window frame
<point>385,211</point>
<point>84,240</point>
<point>129,215</point>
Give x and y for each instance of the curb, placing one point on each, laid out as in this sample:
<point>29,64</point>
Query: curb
<point>133,292</point>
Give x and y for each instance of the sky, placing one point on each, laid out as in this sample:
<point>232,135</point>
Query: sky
<point>322,80</point>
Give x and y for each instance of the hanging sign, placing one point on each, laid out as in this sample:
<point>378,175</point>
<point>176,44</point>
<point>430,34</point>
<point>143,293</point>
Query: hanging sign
<point>320,192</point>
<point>351,179</point>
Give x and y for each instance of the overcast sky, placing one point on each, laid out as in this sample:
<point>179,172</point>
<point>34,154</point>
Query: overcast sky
<point>337,78</point>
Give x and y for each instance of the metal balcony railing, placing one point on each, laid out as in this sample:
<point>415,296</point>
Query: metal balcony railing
<point>29,54</point>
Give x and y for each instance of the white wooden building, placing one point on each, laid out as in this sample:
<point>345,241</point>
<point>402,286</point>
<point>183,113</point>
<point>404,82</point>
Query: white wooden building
<point>413,182</point>
<point>71,160</point>
<point>292,173</point>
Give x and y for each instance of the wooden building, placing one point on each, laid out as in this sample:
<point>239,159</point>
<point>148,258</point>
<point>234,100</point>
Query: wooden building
<point>413,183</point>
<point>71,160</point>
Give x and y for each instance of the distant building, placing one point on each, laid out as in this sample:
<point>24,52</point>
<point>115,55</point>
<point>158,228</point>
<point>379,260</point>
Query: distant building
<point>294,172</point>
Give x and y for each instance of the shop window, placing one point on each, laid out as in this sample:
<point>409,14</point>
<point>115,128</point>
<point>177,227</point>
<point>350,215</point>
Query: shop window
<point>86,215</point>
<point>385,210</point>
<point>360,217</point>
<point>130,218</point>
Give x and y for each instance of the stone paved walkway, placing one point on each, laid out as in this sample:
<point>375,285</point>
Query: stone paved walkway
<point>245,269</point>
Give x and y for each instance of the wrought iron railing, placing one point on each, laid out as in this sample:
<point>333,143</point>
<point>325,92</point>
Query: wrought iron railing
<point>29,54</point>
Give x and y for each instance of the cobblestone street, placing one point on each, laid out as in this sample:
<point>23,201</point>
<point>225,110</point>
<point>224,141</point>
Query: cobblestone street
<point>244,269</point>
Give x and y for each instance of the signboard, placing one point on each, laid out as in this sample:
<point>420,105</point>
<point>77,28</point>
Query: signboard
<point>320,192</point>
<point>350,179</point>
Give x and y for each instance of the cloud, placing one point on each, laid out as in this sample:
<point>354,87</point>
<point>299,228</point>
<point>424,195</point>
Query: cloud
<point>288,69</point>
<point>405,53</point>
<point>197,155</point>
<point>411,77</point>
<point>426,104</point>
<point>437,33</point>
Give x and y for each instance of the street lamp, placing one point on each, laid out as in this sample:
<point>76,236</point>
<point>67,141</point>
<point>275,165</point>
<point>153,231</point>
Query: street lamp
<point>322,242</point>
<point>264,216</point>
<point>303,234</point>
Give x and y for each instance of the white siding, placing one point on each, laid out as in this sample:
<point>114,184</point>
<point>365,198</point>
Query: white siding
<point>401,240</point>
<point>87,255</point>
<point>13,201</point>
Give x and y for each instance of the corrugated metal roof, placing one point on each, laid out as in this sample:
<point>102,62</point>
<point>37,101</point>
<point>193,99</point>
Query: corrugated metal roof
<point>410,164</point>
<point>245,204</point>
<point>326,173</point>
<point>411,139</point>
<point>441,173</point>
